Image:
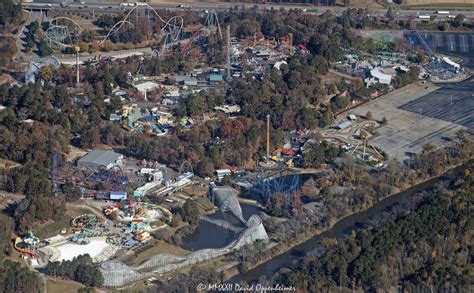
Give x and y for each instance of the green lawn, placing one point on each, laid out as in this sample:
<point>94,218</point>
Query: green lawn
<point>441,6</point>
<point>51,228</point>
<point>161,247</point>
<point>62,286</point>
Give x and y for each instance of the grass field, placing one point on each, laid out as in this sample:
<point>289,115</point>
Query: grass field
<point>439,4</point>
<point>51,228</point>
<point>161,247</point>
<point>62,286</point>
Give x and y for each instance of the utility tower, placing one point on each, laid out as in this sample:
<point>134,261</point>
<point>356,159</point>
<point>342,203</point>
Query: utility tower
<point>228,52</point>
<point>77,49</point>
<point>268,137</point>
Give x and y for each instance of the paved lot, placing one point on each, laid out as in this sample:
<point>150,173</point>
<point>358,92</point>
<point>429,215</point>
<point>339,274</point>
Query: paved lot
<point>407,129</point>
<point>452,43</point>
<point>448,104</point>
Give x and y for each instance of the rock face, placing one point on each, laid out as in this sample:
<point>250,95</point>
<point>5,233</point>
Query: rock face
<point>118,274</point>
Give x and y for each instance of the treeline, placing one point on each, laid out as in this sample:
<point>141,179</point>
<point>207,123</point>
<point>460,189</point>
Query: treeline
<point>6,230</point>
<point>10,13</point>
<point>349,186</point>
<point>7,51</point>
<point>426,249</point>
<point>17,278</point>
<point>209,146</point>
<point>39,203</point>
<point>406,78</point>
<point>80,269</point>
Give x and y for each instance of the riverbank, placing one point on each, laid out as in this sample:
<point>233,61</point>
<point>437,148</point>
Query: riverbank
<point>304,238</point>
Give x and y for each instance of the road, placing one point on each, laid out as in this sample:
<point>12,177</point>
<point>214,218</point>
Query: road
<point>20,54</point>
<point>97,6</point>
<point>119,54</point>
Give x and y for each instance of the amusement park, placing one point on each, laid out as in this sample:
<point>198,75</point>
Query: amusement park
<point>155,184</point>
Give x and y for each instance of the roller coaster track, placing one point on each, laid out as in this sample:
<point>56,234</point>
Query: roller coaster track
<point>222,223</point>
<point>212,21</point>
<point>117,274</point>
<point>52,33</point>
<point>172,27</point>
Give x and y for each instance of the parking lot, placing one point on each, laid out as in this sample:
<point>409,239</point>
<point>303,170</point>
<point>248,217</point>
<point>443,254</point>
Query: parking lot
<point>448,104</point>
<point>408,128</point>
<point>452,43</point>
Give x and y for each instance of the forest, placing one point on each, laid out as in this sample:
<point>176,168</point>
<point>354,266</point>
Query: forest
<point>80,269</point>
<point>17,278</point>
<point>294,95</point>
<point>428,248</point>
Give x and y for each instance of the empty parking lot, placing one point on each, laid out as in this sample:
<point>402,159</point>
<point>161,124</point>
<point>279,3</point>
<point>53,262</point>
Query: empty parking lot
<point>419,114</point>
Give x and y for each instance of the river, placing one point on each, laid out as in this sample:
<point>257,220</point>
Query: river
<point>339,230</point>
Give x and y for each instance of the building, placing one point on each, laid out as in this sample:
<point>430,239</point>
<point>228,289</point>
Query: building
<point>215,78</point>
<point>143,236</point>
<point>377,76</point>
<point>115,117</point>
<point>97,158</point>
<point>278,64</point>
<point>451,63</point>
<point>118,195</point>
<point>32,70</point>
<point>228,109</point>
<point>187,80</point>
<point>343,125</point>
<point>146,87</point>
<point>221,173</point>
<point>352,117</point>
<point>55,240</point>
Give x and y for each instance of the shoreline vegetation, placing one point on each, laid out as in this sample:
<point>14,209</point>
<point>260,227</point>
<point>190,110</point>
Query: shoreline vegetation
<point>284,247</point>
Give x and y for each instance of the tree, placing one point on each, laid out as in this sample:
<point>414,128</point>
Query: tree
<point>71,191</point>
<point>175,221</point>
<point>390,14</point>
<point>43,48</point>
<point>17,278</point>
<point>46,73</point>
<point>427,147</point>
<point>190,212</point>
<point>5,236</point>
<point>421,57</point>
<point>459,20</point>
<point>276,205</point>
<point>368,115</point>
<point>80,269</point>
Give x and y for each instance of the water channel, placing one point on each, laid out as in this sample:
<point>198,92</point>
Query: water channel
<point>208,235</point>
<point>340,229</point>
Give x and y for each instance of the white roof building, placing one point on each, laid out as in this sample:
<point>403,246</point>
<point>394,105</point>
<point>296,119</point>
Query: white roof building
<point>146,86</point>
<point>278,64</point>
<point>451,63</point>
<point>377,76</point>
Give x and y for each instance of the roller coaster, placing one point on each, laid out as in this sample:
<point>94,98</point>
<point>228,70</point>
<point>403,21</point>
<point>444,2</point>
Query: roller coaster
<point>65,32</point>
<point>172,27</point>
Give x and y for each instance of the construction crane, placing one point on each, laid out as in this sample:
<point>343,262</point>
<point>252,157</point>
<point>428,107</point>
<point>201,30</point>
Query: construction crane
<point>426,47</point>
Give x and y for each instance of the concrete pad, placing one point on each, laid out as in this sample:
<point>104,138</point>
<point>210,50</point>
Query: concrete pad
<point>406,132</point>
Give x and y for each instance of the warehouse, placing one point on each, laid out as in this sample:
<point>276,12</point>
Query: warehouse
<point>377,76</point>
<point>97,158</point>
